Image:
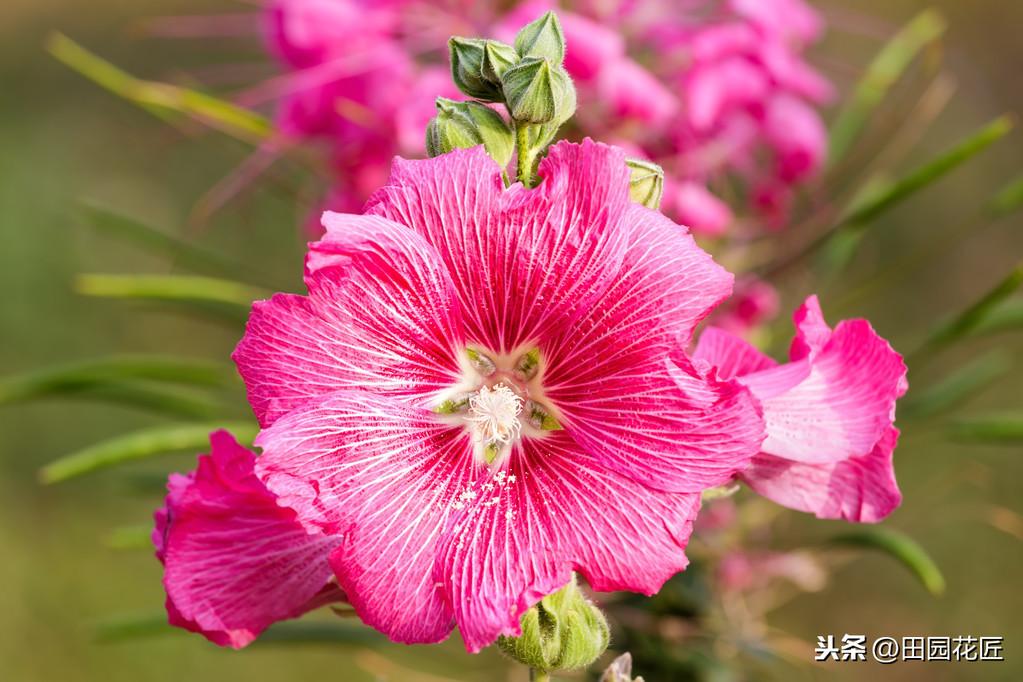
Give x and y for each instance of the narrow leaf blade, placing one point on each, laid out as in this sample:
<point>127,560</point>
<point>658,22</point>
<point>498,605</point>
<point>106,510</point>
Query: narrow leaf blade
<point>900,547</point>
<point>995,429</point>
<point>141,445</point>
<point>959,386</point>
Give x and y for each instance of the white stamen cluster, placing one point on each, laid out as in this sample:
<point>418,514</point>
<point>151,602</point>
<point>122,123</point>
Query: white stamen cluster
<point>494,414</point>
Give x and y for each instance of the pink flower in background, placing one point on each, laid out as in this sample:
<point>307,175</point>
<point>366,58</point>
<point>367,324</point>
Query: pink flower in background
<point>711,90</point>
<point>754,303</point>
<point>484,392</point>
<point>234,560</point>
<point>829,413</point>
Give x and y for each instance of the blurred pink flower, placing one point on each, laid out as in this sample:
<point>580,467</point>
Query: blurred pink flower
<point>754,303</point>
<point>484,391</point>
<point>709,89</point>
<point>234,560</point>
<point>829,413</point>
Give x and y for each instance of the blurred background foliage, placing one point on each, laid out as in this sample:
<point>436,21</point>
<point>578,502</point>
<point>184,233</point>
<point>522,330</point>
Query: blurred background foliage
<point>67,580</point>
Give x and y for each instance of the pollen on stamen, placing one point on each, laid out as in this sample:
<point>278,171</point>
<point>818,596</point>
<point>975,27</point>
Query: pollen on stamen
<point>494,414</point>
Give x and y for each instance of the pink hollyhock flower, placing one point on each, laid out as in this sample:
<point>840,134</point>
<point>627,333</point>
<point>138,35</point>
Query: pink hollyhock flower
<point>483,392</point>
<point>754,303</point>
<point>234,560</point>
<point>829,413</point>
<point>695,207</point>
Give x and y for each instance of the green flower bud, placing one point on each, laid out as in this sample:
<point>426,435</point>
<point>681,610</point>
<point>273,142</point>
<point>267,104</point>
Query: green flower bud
<point>542,38</point>
<point>538,92</point>
<point>620,670</point>
<point>467,69</point>
<point>460,125</point>
<point>497,58</point>
<point>646,182</point>
<point>563,631</point>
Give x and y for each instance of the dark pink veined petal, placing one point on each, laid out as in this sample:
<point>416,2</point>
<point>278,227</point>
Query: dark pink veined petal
<point>522,261</point>
<point>730,355</point>
<point>860,488</point>
<point>812,332</point>
<point>834,403</point>
<point>381,315</point>
<point>620,394</point>
<point>556,509</point>
<point>234,560</point>
<point>382,474</point>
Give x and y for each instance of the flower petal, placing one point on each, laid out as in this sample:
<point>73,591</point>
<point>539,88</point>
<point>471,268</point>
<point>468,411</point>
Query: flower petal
<point>861,488</point>
<point>556,509</point>
<point>381,315</point>
<point>730,355</point>
<point>620,394</point>
<point>834,404</point>
<point>521,260</point>
<point>235,561</point>
<point>383,474</point>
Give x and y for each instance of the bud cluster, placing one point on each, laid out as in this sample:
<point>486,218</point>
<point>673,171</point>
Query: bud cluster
<point>529,78</point>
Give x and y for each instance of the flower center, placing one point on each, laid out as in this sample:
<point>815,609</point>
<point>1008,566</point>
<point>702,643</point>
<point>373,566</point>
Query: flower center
<point>494,415</point>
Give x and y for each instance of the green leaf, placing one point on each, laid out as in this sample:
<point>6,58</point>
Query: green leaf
<point>880,201</point>
<point>223,298</point>
<point>995,429</point>
<point>1007,200</point>
<point>958,386</point>
<point>1005,317</point>
<point>126,229</point>
<point>140,445</point>
<point>971,318</point>
<point>129,537</point>
<point>161,99</point>
<point>900,547</point>
<point>134,626</point>
<point>882,73</point>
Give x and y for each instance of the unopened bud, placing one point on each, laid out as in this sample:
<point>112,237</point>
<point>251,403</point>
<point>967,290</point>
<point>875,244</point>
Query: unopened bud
<point>498,57</point>
<point>646,182</point>
<point>542,38</point>
<point>563,631</point>
<point>538,92</point>
<point>467,69</point>
<point>460,125</point>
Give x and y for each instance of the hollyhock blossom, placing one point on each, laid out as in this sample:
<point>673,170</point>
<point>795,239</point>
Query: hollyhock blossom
<point>234,560</point>
<point>484,391</point>
<point>829,413</point>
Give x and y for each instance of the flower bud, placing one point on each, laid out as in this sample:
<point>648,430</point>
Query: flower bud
<point>646,182</point>
<point>542,38</point>
<point>538,92</point>
<point>459,125</point>
<point>563,631</point>
<point>497,58</point>
<point>467,69</point>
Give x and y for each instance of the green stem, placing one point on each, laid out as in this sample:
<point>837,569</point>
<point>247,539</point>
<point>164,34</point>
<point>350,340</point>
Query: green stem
<point>524,153</point>
<point>538,676</point>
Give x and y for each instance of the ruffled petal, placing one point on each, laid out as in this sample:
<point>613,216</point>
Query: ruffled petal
<point>619,394</point>
<point>556,509</point>
<point>730,355</point>
<point>381,315</point>
<point>522,261</point>
<point>235,561</point>
<point>861,489</point>
<point>834,403</point>
<point>382,474</point>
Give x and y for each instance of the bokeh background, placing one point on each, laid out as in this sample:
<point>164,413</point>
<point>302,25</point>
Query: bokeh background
<point>63,140</point>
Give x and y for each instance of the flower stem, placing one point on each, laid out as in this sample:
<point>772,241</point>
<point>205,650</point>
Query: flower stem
<point>538,676</point>
<point>524,153</point>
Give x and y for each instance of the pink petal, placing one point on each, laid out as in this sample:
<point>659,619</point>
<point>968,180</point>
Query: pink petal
<point>798,137</point>
<point>591,46</point>
<point>812,331</point>
<point>521,260</point>
<point>382,474</point>
<point>640,410</point>
<point>555,509</point>
<point>235,561</point>
<point>381,315</point>
<point>697,208</point>
<point>732,356</point>
<point>860,488</point>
